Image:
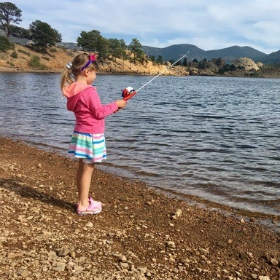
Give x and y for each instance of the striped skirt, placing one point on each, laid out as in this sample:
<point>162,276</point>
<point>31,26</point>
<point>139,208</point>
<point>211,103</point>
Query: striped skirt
<point>90,147</point>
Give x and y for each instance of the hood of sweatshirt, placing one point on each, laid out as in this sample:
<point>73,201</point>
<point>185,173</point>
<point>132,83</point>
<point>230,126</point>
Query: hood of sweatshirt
<point>74,88</point>
<point>72,92</point>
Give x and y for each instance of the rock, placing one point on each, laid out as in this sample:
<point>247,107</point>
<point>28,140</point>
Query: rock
<point>63,252</point>
<point>78,269</point>
<point>170,244</point>
<point>59,266</point>
<point>177,214</point>
<point>22,272</point>
<point>143,269</point>
<point>250,255</point>
<point>274,261</point>
<point>247,63</point>
<point>89,224</point>
<point>204,251</point>
<point>222,244</point>
<point>124,265</point>
<point>46,233</point>
<point>123,258</point>
<point>264,278</point>
<point>243,256</point>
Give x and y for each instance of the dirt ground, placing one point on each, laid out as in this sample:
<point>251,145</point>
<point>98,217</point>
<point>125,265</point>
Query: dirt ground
<point>141,233</point>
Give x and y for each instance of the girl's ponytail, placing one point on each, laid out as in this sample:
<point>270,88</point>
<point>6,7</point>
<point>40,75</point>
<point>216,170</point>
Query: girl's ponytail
<point>67,76</point>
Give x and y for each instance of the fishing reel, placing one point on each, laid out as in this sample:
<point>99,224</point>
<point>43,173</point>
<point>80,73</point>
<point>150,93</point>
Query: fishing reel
<point>128,92</point>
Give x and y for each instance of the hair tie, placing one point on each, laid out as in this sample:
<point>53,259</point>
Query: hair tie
<point>69,65</point>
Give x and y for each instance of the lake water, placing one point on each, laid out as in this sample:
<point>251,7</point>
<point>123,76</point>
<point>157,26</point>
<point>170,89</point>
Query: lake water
<point>213,137</point>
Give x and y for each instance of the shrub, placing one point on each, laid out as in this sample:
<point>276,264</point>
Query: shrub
<point>70,54</point>
<point>5,44</point>
<point>34,63</point>
<point>24,52</point>
<point>14,54</point>
<point>51,55</point>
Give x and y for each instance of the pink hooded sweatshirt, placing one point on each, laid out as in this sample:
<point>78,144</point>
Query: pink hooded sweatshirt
<point>84,101</point>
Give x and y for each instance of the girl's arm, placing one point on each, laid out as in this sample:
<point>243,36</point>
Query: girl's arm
<point>99,110</point>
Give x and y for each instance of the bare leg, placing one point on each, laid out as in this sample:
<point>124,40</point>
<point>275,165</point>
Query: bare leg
<point>84,174</point>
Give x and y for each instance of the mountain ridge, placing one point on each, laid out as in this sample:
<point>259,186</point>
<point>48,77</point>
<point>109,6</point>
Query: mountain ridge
<point>229,54</point>
<point>193,52</point>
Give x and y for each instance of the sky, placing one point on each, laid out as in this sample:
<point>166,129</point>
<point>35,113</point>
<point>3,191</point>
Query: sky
<point>207,24</point>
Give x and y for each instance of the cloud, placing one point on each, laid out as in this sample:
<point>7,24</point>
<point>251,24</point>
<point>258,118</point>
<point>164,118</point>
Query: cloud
<point>207,24</point>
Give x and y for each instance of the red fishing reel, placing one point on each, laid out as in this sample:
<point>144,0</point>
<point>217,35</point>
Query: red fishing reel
<point>128,92</point>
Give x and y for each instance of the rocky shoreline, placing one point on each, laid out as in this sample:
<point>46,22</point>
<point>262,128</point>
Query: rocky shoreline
<point>141,233</point>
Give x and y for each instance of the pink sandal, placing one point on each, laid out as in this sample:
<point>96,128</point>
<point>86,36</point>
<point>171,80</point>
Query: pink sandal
<point>95,207</point>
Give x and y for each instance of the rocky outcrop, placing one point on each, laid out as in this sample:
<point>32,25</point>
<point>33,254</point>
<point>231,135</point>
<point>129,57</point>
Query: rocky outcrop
<point>247,63</point>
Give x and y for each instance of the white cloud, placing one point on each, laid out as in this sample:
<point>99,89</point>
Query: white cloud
<point>207,24</point>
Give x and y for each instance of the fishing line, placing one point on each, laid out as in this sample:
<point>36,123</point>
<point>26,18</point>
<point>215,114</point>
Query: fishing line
<point>161,73</point>
<point>129,92</point>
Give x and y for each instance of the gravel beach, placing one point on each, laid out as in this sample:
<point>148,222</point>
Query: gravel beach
<point>142,233</point>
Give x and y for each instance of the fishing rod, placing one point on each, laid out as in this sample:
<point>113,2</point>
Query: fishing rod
<point>129,92</point>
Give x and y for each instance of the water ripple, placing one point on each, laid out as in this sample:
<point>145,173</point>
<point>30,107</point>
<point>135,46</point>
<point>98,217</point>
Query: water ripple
<point>217,138</point>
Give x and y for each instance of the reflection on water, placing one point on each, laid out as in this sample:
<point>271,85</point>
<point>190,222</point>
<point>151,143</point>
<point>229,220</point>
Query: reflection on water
<point>217,138</point>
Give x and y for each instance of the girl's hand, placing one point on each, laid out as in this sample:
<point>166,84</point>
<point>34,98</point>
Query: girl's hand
<point>121,103</point>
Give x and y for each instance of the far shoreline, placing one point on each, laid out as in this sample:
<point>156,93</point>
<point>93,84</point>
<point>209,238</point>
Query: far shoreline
<point>132,73</point>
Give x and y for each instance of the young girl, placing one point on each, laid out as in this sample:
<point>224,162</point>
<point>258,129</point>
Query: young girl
<point>88,141</point>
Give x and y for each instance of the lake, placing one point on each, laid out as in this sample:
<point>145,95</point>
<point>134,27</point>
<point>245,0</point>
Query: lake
<point>212,137</point>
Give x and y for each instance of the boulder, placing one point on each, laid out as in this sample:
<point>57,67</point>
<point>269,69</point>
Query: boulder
<point>247,63</point>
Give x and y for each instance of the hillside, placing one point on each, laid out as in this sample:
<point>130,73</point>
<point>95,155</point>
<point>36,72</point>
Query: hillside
<point>234,52</point>
<point>24,59</point>
<point>193,52</point>
<point>273,58</point>
<point>175,51</point>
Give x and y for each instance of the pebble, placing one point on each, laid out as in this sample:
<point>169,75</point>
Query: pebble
<point>78,269</point>
<point>22,272</point>
<point>274,262</point>
<point>177,214</point>
<point>170,244</point>
<point>59,266</point>
<point>63,252</point>
<point>204,251</point>
<point>89,224</point>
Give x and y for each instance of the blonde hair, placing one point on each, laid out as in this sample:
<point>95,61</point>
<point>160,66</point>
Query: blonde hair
<point>72,70</point>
